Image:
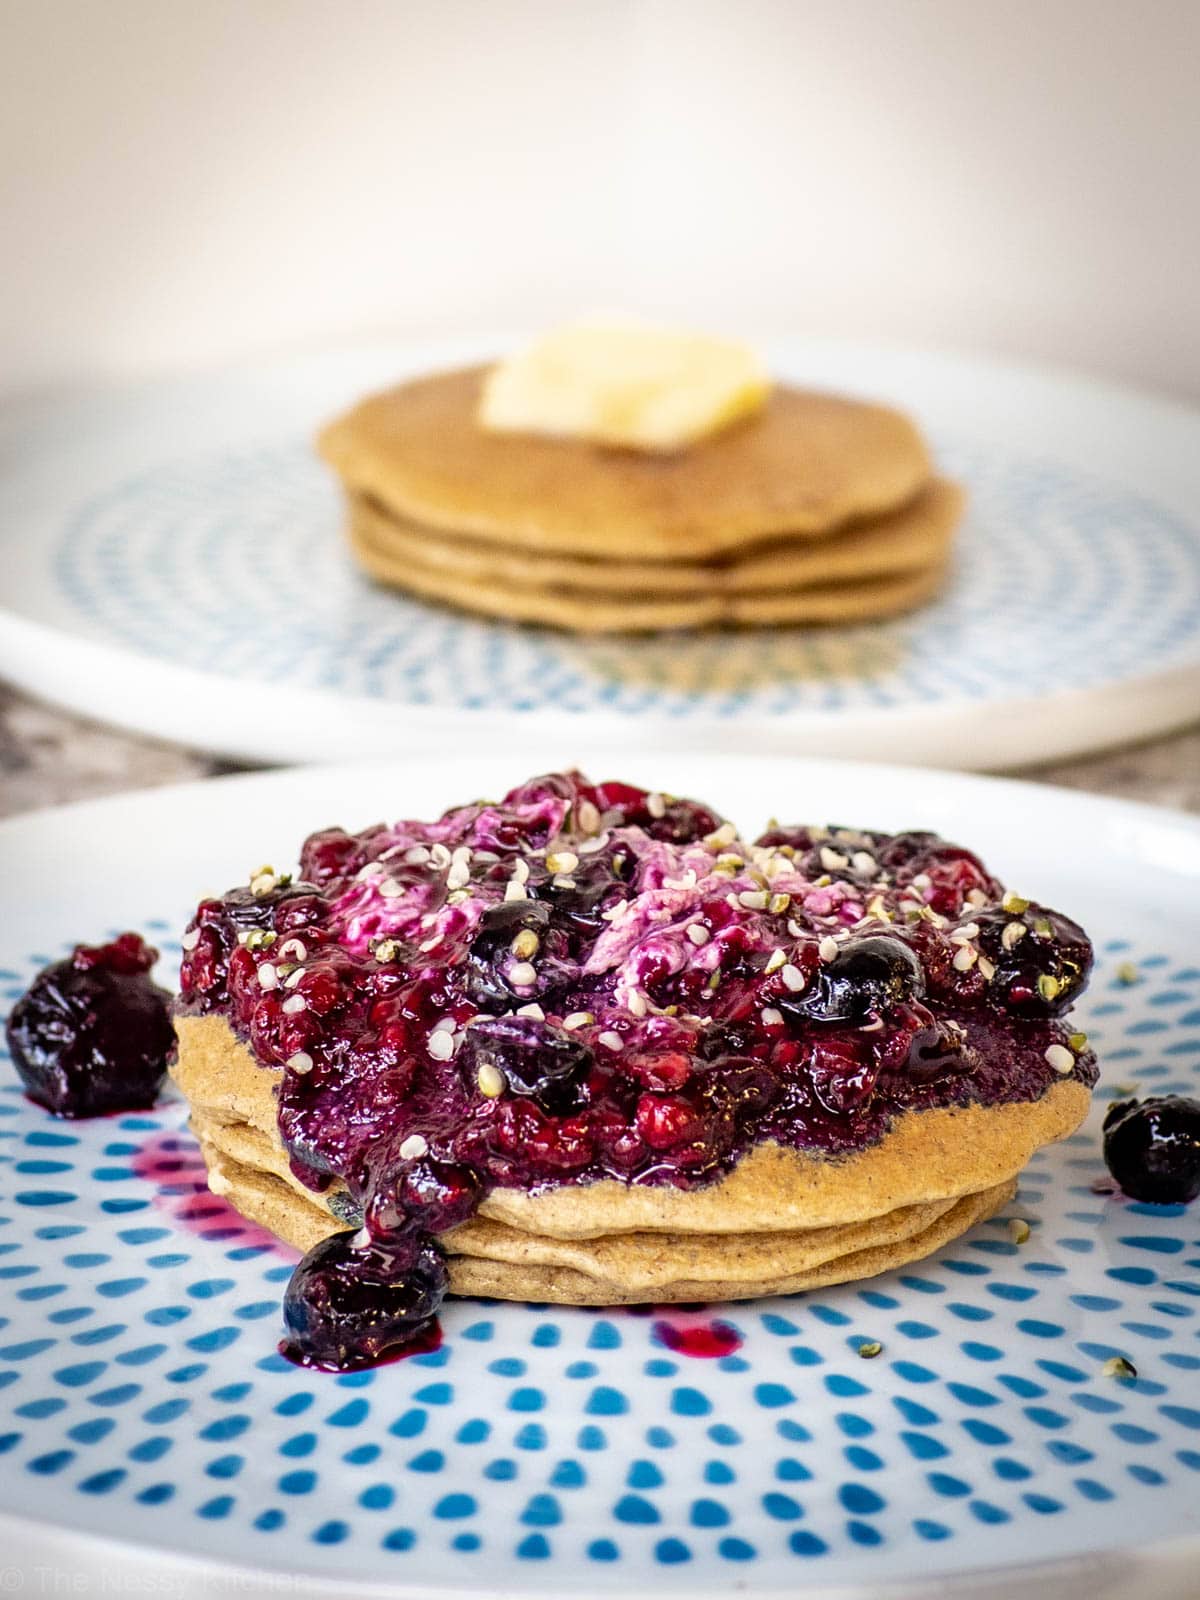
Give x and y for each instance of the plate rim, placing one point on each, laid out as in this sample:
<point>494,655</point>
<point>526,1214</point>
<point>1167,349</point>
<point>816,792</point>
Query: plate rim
<point>1156,1568</point>
<point>86,677</point>
<point>381,767</point>
<point>90,676</point>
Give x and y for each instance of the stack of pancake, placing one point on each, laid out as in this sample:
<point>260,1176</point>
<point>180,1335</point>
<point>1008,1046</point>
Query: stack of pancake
<point>779,1222</point>
<point>815,509</point>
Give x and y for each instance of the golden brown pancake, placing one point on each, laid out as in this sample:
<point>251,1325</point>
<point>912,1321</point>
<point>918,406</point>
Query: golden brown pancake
<point>524,1269</point>
<point>861,600</point>
<point>806,465</point>
<point>561,1285</point>
<point>780,1221</point>
<point>909,540</point>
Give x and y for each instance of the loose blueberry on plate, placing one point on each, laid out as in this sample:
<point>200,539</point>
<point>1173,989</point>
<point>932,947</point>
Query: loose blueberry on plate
<point>1152,1148</point>
<point>92,1033</point>
<point>349,1305</point>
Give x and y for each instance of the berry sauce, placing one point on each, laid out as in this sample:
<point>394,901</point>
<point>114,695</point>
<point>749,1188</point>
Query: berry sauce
<point>705,1341</point>
<point>590,981</point>
<point>172,1165</point>
<point>91,1034</point>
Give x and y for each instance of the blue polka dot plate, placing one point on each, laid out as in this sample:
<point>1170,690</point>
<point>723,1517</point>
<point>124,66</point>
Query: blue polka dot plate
<point>547,1450</point>
<point>174,561</point>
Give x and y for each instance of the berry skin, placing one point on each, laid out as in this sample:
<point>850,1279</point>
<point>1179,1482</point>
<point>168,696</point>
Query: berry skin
<point>843,1074</point>
<point>247,911</point>
<point>490,953</point>
<point>348,1307</point>
<point>425,1196</point>
<point>868,976</point>
<point>1152,1148</point>
<point>1042,972</point>
<point>330,854</point>
<point>535,1058</point>
<point>677,821</point>
<point>92,1034</point>
<point>577,904</point>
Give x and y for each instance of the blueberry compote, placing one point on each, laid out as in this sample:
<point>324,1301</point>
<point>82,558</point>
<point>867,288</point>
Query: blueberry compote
<point>349,1305</point>
<point>588,980</point>
<point>1152,1148</point>
<point>92,1033</point>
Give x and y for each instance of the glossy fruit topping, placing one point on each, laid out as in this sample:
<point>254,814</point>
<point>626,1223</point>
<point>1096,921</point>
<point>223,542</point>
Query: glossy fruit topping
<point>350,1304</point>
<point>92,1033</point>
<point>594,980</point>
<point>1152,1148</point>
<point>527,1055</point>
<point>420,1194</point>
<point>1042,959</point>
<point>865,977</point>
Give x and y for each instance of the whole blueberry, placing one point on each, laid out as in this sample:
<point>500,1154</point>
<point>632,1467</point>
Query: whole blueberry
<point>347,1306</point>
<point>92,1033</point>
<point>247,910</point>
<point>1042,959</point>
<point>867,977</point>
<point>1152,1148</point>
<point>534,1057</point>
<point>490,954</point>
<point>425,1194</point>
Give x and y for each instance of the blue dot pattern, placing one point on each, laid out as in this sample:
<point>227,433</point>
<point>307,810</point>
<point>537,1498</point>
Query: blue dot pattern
<point>1099,585</point>
<point>141,1393</point>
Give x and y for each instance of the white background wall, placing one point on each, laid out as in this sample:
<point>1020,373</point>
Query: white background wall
<point>182,181</point>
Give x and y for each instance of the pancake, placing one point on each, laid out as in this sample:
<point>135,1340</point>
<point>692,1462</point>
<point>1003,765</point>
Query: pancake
<point>780,1218</point>
<point>641,1259</point>
<point>520,1269</point>
<point>862,600</point>
<point>563,1286</point>
<point>586,1043</point>
<point>806,465</point>
<point>909,540</point>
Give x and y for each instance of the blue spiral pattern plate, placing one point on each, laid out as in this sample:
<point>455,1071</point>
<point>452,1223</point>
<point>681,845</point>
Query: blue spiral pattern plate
<point>187,541</point>
<point>1090,584</point>
<point>546,1448</point>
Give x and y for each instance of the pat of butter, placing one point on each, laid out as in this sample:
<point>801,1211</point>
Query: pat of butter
<point>626,385</point>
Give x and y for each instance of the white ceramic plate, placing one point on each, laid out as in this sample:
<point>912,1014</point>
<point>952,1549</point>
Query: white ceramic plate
<point>551,1450</point>
<point>172,561</point>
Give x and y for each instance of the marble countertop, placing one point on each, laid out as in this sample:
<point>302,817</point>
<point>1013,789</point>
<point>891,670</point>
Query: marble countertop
<point>48,757</point>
